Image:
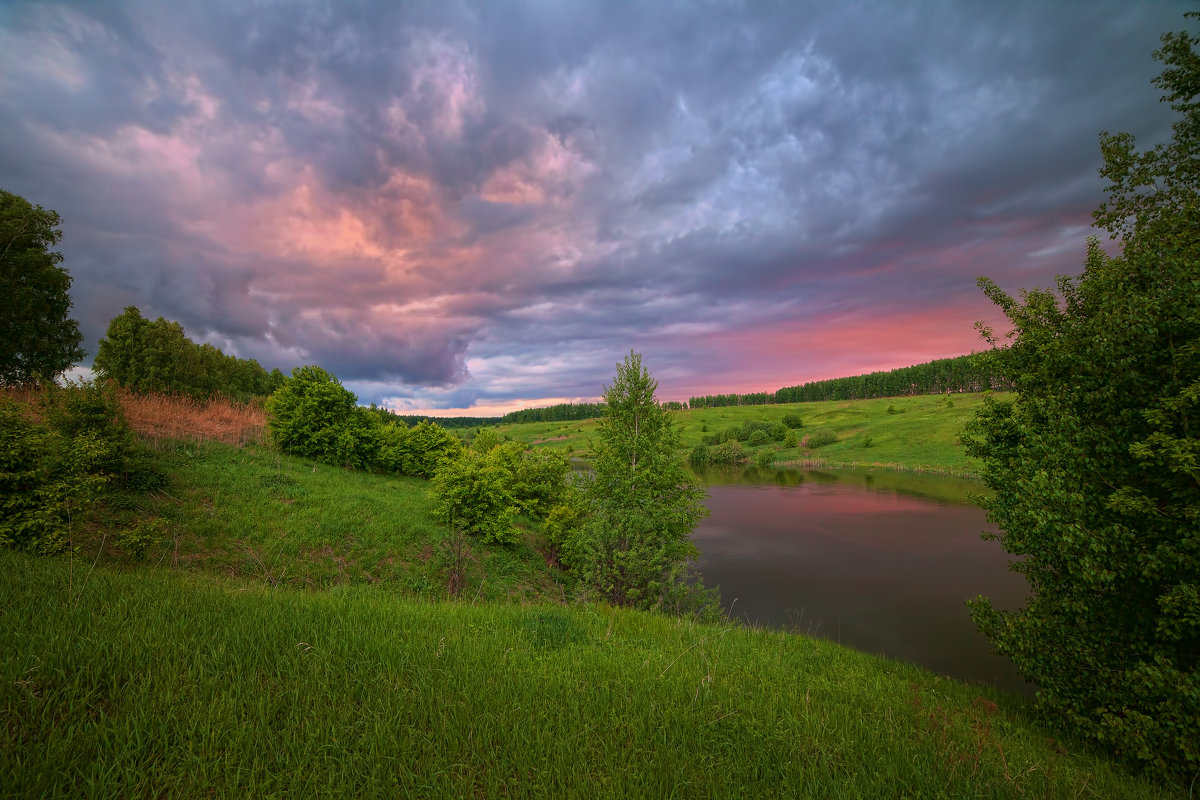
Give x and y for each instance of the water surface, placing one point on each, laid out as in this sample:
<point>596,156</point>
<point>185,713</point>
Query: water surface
<point>879,561</point>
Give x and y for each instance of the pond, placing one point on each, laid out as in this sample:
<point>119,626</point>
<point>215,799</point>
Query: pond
<point>880,561</point>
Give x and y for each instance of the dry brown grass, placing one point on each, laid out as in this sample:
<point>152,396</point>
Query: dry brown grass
<point>155,417</point>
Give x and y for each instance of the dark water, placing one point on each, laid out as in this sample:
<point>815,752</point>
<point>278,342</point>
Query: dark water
<point>882,562</point>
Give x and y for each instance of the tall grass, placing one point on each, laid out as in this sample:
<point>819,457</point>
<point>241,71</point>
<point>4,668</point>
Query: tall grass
<point>157,684</point>
<point>157,417</point>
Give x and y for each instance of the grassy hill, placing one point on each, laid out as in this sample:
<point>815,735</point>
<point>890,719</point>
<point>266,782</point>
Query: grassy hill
<point>148,682</point>
<point>918,433</point>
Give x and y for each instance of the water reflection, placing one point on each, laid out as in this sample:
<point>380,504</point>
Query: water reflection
<point>879,561</point>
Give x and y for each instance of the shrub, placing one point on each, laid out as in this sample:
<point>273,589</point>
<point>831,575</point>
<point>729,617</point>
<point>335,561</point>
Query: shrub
<point>819,438</point>
<point>538,478</point>
<point>428,446</point>
<point>790,440</point>
<point>313,415</point>
<point>758,438</point>
<point>730,452</point>
<point>699,456</point>
<point>793,421</point>
<point>891,409</point>
<point>472,493</point>
<point>867,441</point>
<point>779,432</point>
<point>765,457</point>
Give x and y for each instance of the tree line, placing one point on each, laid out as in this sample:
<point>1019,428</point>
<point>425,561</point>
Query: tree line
<point>556,413</point>
<point>967,373</point>
<point>156,356</point>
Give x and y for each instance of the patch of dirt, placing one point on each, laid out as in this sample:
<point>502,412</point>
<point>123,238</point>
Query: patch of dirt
<point>551,439</point>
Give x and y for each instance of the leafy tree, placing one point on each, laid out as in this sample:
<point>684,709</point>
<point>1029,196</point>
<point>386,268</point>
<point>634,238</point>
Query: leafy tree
<point>313,415</point>
<point>428,446</point>
<point>37,337</point>
<point>640,506</point>
<point>158,356</point>
<point>1094,464</point>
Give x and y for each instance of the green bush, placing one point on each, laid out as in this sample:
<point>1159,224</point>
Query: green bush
<point>473,493</point>
<point>313,415</point>
<point>790,440</point>
<point>819,438</point>
<point>765,457</point>
<point>699,456</point>
<point>758,438</point>
<point>779,432</point>
<point>428,446</point>
<point>730,452</point>
<point>793,421</point>
<point>867,441</point>
<point>51,473</point>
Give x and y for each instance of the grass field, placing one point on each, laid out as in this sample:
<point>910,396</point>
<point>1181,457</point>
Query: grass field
<point>252,512</point>
<point>146,682</point>
<point>920,433</point>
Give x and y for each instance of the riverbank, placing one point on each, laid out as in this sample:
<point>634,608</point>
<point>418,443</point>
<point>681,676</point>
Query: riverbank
<point>149,682</point>
<point>918,433</point>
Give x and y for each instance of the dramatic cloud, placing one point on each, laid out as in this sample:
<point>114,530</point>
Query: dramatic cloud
<point>485,205</point>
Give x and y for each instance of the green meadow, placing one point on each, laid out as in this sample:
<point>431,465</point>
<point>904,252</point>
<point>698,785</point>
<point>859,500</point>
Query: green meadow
<point>252,512</point>
<point>908,433</point>
<point>141,682</point>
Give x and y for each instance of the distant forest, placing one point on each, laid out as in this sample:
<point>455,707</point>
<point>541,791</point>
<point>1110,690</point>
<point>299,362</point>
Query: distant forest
<point>556,413</point>
<point>969,373</point>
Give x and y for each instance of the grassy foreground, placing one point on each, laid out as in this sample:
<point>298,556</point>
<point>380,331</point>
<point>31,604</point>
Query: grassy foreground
<point>918,433</point>
<point>155,683</point>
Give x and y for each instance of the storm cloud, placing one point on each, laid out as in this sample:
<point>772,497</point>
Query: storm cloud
<point>485,205</point>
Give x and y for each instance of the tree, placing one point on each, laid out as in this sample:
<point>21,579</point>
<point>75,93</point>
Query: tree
<point>313,415</point>
<point>1095,465</point>
<point>640,507</point>
<point>37,337</point>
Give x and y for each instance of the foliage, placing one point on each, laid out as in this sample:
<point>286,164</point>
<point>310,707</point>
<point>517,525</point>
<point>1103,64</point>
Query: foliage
<point>867,441</point>
<point>765,457</point>
<point>157,356</point>
<point>538,478</point>
<point>698,457</point>
<point>427,446</point>
<point>1094,463</point>
<point>641,508</point>
<point>790,440</point>
<point>473,493</point>
<point>730,452</point>
<point>819,438</point>
<point>960,374</point>
<point>52,471</point>
<point>555,413</point>
<point>313,415</point>
<point>793,420</point>
<point>38,340</point>
<point>758,439</point>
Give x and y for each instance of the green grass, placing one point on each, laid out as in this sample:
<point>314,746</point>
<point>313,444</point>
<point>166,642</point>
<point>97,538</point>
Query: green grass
<point>922,434</point>
<point>159,683</point>
<point>284,520</point>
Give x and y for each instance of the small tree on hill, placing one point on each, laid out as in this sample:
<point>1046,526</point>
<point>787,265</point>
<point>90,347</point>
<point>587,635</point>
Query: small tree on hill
<point>313,415</point>
<point>1095,465</point>
<point>640,507</point>
<point>37,337</point>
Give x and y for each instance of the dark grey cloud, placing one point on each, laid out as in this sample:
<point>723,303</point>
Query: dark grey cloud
<point>455,195</point>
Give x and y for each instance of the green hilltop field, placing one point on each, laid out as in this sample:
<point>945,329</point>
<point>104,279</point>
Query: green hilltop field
<point>919,433</point>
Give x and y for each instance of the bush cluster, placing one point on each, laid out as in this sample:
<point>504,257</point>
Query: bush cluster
<point>484,487</point>
<point>313,415</point>
<point>53,470</point>
<point>752,432</point>
<point>819,438</point>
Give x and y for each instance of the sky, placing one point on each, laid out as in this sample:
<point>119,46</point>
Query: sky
<point>472,207</point>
